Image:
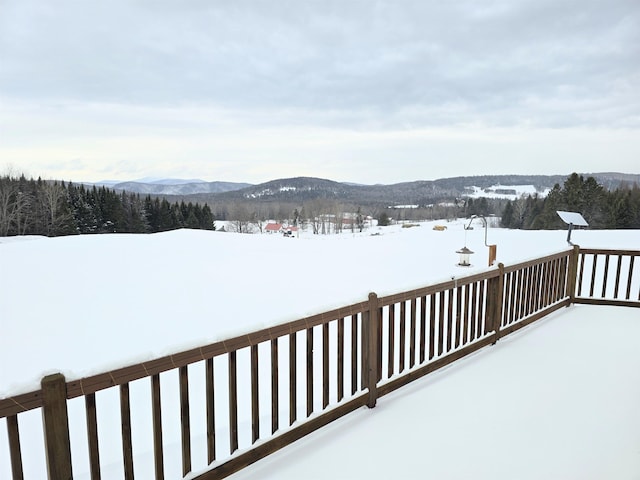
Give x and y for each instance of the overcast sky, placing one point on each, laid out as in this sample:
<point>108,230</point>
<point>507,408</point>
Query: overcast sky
<point>351,90</point>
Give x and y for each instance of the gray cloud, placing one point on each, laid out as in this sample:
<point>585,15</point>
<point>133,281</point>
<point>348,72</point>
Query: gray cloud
<point>359,90</point>
<point>496,62</point>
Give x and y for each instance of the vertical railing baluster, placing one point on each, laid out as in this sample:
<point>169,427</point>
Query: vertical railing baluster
<point>467,314</point>
<point>92,435</point>
<point>392,341</point>
<point>555,286</point>
<point>560,275</point>
<point>233,401</point>
<point>255,395</point>
<point>606,275</point>
<point>125,424</point>
<point>491,306</point>
<point>432,325</point>
<point>309,371</point>
<point>581,275</point>
<point>546,292</point>
<point>325,365</point>
<point>536,287</point>
<point>507,302</point>
<point>474,312</point>
<point>564,276</point>
<point>542,285</point>
<point>458,316</point>
<point>530,273</point>
<point>340,365</point>
<point>211,410</point>
<point>449,319</point>
<point>14,448</point>
<point>403,337</point>
<point>293,375</point>
<point>513,304</point>
<point>441,316</point>
<point>379,342</point>
<point>549,277</point>
<point>363,350</point>
<point>520,295</point>
<point>185,420</point>
<point>481,310</point>
<point>628,295</point>
<point>275,383</point>
<point>412,334</point>
<point>156,410</point>
<point>519,276</point>
<point>423,327</point>
<point>354,354</point>
<point>593,274</point>
<point>618,271</point>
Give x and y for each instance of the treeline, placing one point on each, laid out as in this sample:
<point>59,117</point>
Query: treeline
<point>51,208</point>
<point>601,208</point>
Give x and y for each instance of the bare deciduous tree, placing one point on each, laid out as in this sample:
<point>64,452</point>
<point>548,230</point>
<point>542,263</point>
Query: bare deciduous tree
<point>14,208</point>
<point>53,195</point>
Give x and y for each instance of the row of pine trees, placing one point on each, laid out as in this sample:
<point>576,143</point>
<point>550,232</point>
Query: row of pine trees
<point>601,208</point>
<point>51,208</point>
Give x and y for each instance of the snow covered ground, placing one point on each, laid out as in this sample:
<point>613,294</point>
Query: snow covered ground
<point>83,305</point>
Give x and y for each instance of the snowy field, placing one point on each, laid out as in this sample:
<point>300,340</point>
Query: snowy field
<point>83,305</point>
<point>500,191</point>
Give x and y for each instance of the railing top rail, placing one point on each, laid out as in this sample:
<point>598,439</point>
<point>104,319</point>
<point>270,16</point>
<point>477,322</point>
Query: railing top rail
<point>438,287</point>
<point>537,261</point>
<point>84,386</point>
<point>20,403</point>
<point>92,384</point>
<point>605,251</point>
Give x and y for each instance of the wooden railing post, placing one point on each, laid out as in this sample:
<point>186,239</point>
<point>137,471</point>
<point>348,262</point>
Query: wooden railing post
<point>572,273</point>
<point>494,302</point>
<point>373,356</point>
<point>56,427</point>
<point>499,301</point>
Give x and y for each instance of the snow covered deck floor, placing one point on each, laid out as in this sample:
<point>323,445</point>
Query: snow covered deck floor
<point>558,400</point>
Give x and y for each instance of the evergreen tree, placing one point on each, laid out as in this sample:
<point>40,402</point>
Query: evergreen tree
<point>383,219</point>
<point>601,209</point>
<point>548,218</point>
<point>207,221</point>
<point>508,214</point>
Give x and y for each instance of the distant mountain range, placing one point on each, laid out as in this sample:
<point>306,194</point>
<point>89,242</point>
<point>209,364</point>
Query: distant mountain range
<point>299,189</point>
<point>173,186</point>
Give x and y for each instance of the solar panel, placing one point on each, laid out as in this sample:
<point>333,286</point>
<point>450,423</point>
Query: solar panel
<point>573,218</point>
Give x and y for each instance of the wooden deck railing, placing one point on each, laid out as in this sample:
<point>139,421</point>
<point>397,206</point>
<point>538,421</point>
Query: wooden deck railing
<point>246,397</point>
<point>606,277</point>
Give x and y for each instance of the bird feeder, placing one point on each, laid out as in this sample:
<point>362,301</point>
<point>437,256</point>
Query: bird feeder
<point>493,249</point>
<point>465,254</point>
